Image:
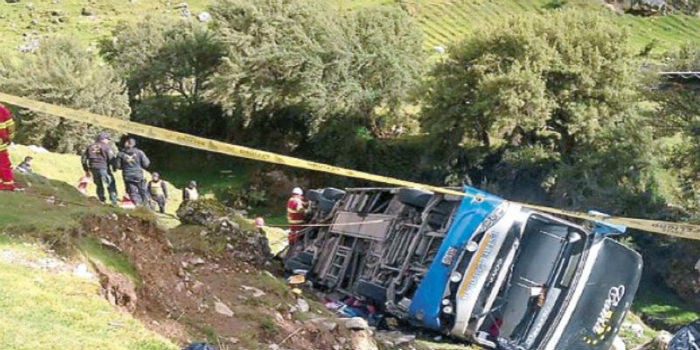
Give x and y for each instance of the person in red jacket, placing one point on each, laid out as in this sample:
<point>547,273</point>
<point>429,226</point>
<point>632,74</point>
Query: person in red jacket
<point>7,133</point>
<point>296,214</point>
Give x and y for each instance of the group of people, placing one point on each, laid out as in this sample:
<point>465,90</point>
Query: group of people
<point>99,162</point>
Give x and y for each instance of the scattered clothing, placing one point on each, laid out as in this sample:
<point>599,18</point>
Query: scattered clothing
<point>687,338</point>
<point>7,134</point>
<point>158,192</point>
<point>200,346</point>
<point>127,203</point>
<point>82,184</point>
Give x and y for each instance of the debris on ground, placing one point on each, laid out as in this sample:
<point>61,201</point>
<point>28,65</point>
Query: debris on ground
<point>181,291</point>
<point>660,342</point>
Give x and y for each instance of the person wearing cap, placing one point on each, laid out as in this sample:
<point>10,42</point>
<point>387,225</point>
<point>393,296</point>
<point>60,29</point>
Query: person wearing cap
<point>132,161</point>
<point>158,191</point>
<point>96,161</point>
<point>190,192</point>
<point>7,133</point>
<point>296,214</point>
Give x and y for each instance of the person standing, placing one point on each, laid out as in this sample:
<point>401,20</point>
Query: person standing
<point>132,161</point>
<point>190,192</point>
<point>96,161</point>
<point>7,133</point>
<point>158,191</point>
<point>296,214</point>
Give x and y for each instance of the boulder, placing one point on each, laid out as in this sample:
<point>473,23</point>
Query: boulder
<point>362,340</point>
<point>356,323</point>
<point>200,212</point>
<point>302,305</point>
<point>660,342</point>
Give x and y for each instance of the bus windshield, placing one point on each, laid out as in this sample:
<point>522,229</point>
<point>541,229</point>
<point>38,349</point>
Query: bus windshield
<point>546,260</point>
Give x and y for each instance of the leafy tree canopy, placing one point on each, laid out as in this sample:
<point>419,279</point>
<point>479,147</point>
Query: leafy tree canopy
<point>64,72</point>
<point>564,77</point>
<point>305,56</point>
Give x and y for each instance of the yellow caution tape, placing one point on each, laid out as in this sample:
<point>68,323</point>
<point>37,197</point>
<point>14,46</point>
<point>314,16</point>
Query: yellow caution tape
<point>668,228</point>
<point>663,227</point>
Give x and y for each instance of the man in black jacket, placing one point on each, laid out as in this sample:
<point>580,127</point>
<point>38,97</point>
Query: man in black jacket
<point>132,161</point>
<point>96,161</point>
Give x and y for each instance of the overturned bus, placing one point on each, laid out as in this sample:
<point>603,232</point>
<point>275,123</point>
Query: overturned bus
<point>475,267</point>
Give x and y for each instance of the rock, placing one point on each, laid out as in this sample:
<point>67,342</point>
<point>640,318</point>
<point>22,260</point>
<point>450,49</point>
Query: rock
<point>83,272</point>
<point>257,293</point>
<point>618,344</point>
<point>439,49</point>
<point>197,286</point>
<point>303,305</point>
<point>395,338</point>
<point>637,329</point>
<point>200,212</point>
<point>323,324</point>
<point>660,342</point>
<point>204,16</point>
<point>87,11</point>
<point>197,261</point>
<point>356,323</point>
<point>56,13</point>
<point>223,309</point>
<point>118,289</point>
<point>362,340</point>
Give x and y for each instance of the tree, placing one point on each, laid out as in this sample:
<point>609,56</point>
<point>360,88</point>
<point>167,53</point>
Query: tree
<point>64,72</point>
<point>563,76</point>
<point>167,65</point>
<point>159,56</point>
<point>305,63</point>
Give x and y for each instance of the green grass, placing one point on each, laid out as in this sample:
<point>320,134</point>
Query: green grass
<point>30,213</point>
<point>443,21</point>
<point>108,257</point>
<point>19,18</point>
<point>66,168</point>
<point>660,307</point>
<point>42,310</point>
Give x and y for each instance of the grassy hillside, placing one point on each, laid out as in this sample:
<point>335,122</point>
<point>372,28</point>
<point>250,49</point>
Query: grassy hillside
<point>67,168</point>
<point>65,311</point>
<point>443,21</point>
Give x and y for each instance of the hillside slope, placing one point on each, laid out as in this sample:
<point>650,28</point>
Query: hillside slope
<point>443,21</point>
<point>67,168</point>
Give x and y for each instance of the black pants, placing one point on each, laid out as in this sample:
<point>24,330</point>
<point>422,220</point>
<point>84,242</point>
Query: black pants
<point>161,203</point>
<point>104,178</point>
<point>136,189</point>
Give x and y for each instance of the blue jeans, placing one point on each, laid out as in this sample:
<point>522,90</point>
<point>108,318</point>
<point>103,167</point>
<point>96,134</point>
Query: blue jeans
<point>104,178</point>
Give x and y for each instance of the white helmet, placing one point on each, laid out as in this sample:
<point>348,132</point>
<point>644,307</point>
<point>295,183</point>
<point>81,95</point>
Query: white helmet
<point>297,191</point>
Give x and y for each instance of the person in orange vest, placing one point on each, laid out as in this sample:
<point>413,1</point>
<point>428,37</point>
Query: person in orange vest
<point>7,133</point>
<point>296,214</point>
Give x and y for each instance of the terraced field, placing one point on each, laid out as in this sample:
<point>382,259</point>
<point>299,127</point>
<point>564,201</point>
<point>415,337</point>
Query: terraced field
<point>445,21</point>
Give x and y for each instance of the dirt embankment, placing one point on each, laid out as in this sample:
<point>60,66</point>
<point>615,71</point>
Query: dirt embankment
<point>210,283</point>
